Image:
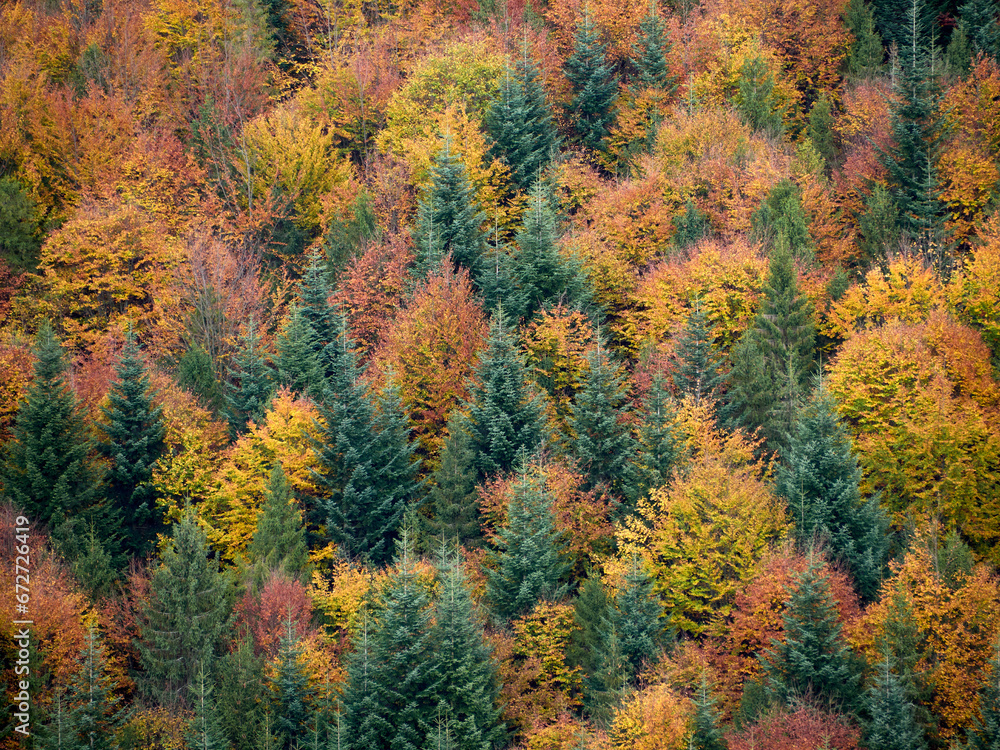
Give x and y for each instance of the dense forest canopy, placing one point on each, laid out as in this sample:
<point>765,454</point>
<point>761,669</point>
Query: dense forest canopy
<point>617,375</point>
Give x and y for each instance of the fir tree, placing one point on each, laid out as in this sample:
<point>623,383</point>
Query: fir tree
<point>186,616</point>
<point>820,479</point>
<point>279,542</point>
<point>981,19</point>
<point>959,53</point>
<point>705,731</point>
<point>94,710</point>
<point>781,218</point>
<point>595,87</point>
<point>134,432</point>
<point>504,416</point>
<point>821,131</point>
<point>48,472</point>
<point>388,702</point>
<point>290,687</point>
<point>984,730</point>
<point>698,373</point>
<point>449,219</point>
<point>605,690</point>
<point>691,226</point>
<point>314,296</point>
<point>94,567</point>
<point>241,695</point>
<point>250,393</point>
<point>592,616</point>
<point>196,374</point>
<point>890,721</point>
<point>636,619</point>
<point>520,123</point>
<point>452,496</point>
<point>879,225</point>
<point>529,566</point>
<point>813,661</point>
<point>598,438</point>
<point>204,731</point>
<point>297,361</point>
<point>756,100</point>
<point>865,57</point>
<point>649,53</point>
<point>461,671</point>
<point>658,445</point>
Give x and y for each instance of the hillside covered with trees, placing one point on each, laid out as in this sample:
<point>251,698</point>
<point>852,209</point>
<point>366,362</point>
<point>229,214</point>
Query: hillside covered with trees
<point>455,375</point>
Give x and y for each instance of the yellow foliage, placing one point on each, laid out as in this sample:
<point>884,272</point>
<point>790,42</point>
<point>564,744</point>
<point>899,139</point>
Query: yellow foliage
<point>339,591</point>
<point>655,719</point>
<point>975,292</point>
<point>154,729</point>
<point>968,179</point>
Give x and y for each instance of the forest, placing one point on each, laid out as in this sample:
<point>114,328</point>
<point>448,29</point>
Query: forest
<point>488,374</point>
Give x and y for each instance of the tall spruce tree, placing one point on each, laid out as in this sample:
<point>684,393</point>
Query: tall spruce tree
<point>592,617</point>
<point>291,690</point>
<point>599,439</point>
<point>865,57</point>
<point>134,432</point>
<point>298,359</point>
<point>454,513</point>
<point>890,718</point>
<point>595,86</point>
<point>204,731</point>
<point>982,20</point>
<point>449,218</point>
<point>461,671</point>
<point>659,446</point>
<point>196,374</point>
<point>187,614</point>
<point>314,296</point>
<point>504,415</point>
<point>636,618</point>
<point>814,661</point>
<point>388,702</point>
<point>650,53</point>
<point>528,562</point>
<point>520,123</point>
<point>249,394</point>
<point>698,373</point>
<point>241,695</point>
<point>756,99</point>
<point>983,732</point>
<point>820,477</point>
<point>48,472</point>
<point>94,709</point>
<point>279,542</point>
<point>917,132</point>
<point>706,734</point>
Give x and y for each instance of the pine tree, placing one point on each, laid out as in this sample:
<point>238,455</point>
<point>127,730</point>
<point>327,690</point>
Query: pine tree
<point>636,619</point>
<point>982,21</point>
<point>599,440</point>
<point>250,393</point>
<point>659,446</point>
<point>650,53</point>
<point>279,542</point>
<point>186,616</point>
<point>865,57</point>
<point>917,132</point>
<point>698,373</point>
<point>48,472</point>
<point>314,296</point>
<point>984,731</point>
<point>461,671</point>
<point>241,695</point>
<point>595,87</point>
<point>94,710</point>
<point>290,687</point>
<point>781,218</point>
<point>452,496</point>
<point>705,731</point>
<point>520,123</point>
<point>134,432</point>
<point>504,416</point>
<point>449,219</point>
<point>820,478</point>
<point>813,661</point>
<point>592,616</point>
<point>297,361</point>
<point>388,702</point>
<point>528,564</point>
<point>890,721</point>
<point>204,731</point>
<point>756,100</point>
<point>606,688</point>
<point>196,374</point>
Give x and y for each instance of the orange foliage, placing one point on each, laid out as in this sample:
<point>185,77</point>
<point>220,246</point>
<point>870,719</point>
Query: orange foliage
<point>864,130</point>
<point>801,728</point>
<point>16,370</point>
<point>617,21</point>
<point>266,614</point>
<point>557,341</point>
<point>975,292</point>
<point>969,177</point>
<point>972,105</point>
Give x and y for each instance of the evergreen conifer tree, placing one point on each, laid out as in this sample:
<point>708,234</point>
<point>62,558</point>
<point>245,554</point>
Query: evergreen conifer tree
<point>984,730</point>
<point>756,99</point>
<point>186,616</point>
<point>529,566</point>
<point>690,226</point>
<point>605,690</point>
<point>251,390</point>
<point>865,57</point>
<point>452,496</point>
<point>649,53</point>
<point>599,440</point>
<point>298,360</point>
<point>820,479</point>
<point>659,446</point>
<point>461,671</point>
<point>959,53</point>
<point>314,296</point>
<point>890,21</point>
<point>592,616</point>
<point>292,694</point>
<point>879,225</point>
<point>698,372</point>
<point>48,472</point>
<point>241,695</point>
<point>196,374</point>
<point>279,542</point>
<point>890,724</point>
<point>781,218</point>
<point>94,710</point>
<point>449,219</point>
<point>636,619</point>
<point>504,416</point>
<point>388,702</point>
<point>595,87</point>
<point>981,19</point>
<point>204,731</point>
<point>705,731</point>
<point>134,432</point>
<point>813,661</point>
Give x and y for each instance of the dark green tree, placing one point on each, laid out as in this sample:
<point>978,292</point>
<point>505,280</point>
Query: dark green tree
<point>981,19</point>
<point>388,702</point>
<point>504,415</point>
<point>279,542</point>
<point>48,471</point>
<point>879,225</point>
<point>691,226</point>
<point>756,100</point>
<point>314,299</point>
<point>820,477</point>
<point>821,130</point>
<point>94,568</point>
<point>636,619</point>
<point>449,219</point>
<point>890,718</point>
<point>241,695</point>
<point>461,671</point>
<point>813,661</point>
<point>291,690</point>
<point>95,711</point>
<point>298,359</point>
<point>891,20</point>
<point>600,441</point>
<point>204,731</point>
<point>250,392</point>
<point>350,234</point>
<point>658,445</point>
<point>595,86</point>
<point>706,734</point>
<point>592,615</point>
<point>520,123</point>
<point>196,373</point>
<point>452,497</point>
<point>699,365</point>
<point>528,562</point>
<point>20,235</point>
<point>649,53</point>
<point>865,57</point>
<point>781,216</point>
<point>959,54</point>
<point>606,688</point>
<point>186,617</point>
<point>133,441</point>
<point>984,731</point>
